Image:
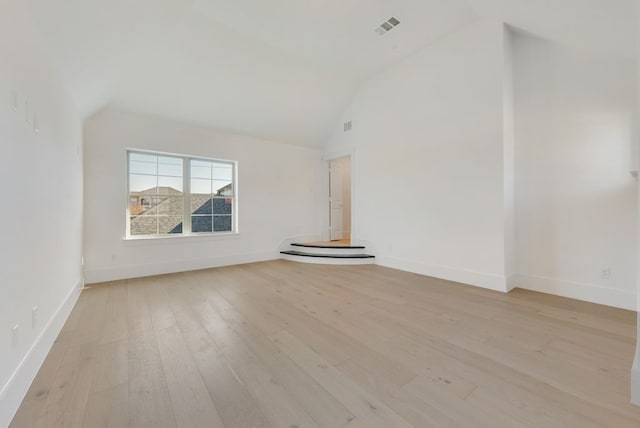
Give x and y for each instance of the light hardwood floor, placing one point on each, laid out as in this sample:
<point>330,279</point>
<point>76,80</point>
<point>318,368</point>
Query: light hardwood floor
<point>336,243</point>
<point>280,344</point>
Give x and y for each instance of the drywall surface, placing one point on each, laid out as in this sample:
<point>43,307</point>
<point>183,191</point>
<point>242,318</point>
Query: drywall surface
<point>41,174</point>
<point>427,144</point>
<point>635,161</point>
<point>576,214</point>
<point>508,123</point>
<point>278,197</point>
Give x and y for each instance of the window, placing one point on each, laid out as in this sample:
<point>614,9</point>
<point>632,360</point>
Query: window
<point>180,195</point>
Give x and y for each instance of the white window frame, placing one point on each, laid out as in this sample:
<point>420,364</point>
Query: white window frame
<point>186,194</point>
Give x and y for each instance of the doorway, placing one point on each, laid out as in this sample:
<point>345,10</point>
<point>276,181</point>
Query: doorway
<point>340,199</point>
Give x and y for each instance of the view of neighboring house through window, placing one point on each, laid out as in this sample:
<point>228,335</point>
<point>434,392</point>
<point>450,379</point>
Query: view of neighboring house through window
<point>179,195</point>
<point>211,196</point>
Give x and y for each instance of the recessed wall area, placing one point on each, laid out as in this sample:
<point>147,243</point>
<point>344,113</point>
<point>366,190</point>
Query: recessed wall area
<point>575,198</point>
<point>278,197</point>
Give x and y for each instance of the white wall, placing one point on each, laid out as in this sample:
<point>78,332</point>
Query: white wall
<point>41,176</point>
<point>278,187</point>
<point>508,126</point>
<point>575,199</point>
<point>635,162</point>
<point>428,155</point>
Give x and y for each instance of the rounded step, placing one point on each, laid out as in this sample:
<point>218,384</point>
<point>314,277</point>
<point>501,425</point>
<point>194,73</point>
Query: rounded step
<point>320,249</point>
<point>332,259</point>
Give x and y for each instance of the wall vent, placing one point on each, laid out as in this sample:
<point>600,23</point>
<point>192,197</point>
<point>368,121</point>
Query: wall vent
<point>347,126</point>
<point>387,26</point>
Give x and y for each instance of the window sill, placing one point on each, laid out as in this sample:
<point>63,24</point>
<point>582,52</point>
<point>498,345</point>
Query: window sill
<point>179,238</point>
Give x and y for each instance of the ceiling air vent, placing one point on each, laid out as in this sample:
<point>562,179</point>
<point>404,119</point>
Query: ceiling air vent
<point>387,26</point>
<point>347,126</point>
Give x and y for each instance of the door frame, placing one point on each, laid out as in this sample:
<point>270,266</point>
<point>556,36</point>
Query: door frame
<point>325,207</point>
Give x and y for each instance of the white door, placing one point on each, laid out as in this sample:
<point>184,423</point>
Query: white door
<point>335,200</point>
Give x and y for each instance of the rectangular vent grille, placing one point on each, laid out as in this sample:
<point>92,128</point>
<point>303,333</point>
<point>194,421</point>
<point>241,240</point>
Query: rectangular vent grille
<point>347,126</point>
<point>387,26</point>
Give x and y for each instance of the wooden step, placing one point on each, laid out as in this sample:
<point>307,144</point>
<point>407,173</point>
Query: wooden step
<point>328,246</point>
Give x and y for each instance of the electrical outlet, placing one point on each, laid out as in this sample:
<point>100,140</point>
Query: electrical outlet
<point>605,272</point>
<point>14,335</point>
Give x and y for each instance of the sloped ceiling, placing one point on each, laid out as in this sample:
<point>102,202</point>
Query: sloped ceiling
<point>280,69</point>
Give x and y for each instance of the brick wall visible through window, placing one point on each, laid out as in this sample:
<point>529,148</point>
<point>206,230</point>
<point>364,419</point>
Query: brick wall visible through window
<point>180,195</point>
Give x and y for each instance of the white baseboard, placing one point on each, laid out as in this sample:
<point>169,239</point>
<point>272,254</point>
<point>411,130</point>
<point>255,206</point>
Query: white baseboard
<point>114,273</point>
<point>479,279</point>
<point>15,389</point>
<point>635,379</point>
<point>580,291</point>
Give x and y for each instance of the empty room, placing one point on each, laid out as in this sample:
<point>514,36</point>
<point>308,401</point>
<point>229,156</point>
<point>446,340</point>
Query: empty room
<point>319,213</point>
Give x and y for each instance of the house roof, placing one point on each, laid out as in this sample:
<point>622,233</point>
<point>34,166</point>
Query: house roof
<point>166,216</point>
<point>161,190</point>
<point>283,70</point>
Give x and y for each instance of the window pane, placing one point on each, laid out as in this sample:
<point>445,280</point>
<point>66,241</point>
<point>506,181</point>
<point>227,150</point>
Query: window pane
<point>199,186</point>
<point>170,170</point>
<point>171,206</point>
<point>222,171</point>
<point>143,167</point>
<point>198,162</point>
<point>145,224</point>
<point>140,203</point>
<point>140,183</point>
<point>222,188</point>
<point>222,223</point>
<point>169,185</point>
<point>169,224</point>
<point>201,205</point>
<point>222,205</point>
<point>143,157</point>
<point>201,224</point>
<point>200,171</point>
<point>170,160</point>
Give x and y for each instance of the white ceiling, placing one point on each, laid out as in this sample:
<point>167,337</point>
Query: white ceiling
<point>278,69</point>
<point>601,25</point>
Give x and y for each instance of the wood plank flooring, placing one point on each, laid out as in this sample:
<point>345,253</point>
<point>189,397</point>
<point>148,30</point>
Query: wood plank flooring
<point>336,243</point>
<point>281,344</point>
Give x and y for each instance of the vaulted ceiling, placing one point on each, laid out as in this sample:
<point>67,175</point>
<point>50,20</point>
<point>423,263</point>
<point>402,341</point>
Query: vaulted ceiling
<point>279,69</point>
